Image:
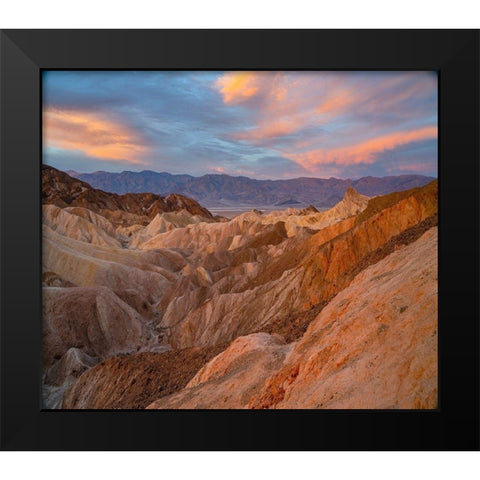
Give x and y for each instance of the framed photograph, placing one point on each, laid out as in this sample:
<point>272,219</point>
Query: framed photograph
<point>239,239</point>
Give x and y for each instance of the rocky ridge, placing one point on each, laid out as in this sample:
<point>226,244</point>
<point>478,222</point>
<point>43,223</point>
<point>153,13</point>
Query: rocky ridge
<point>214,190</point>
<point>373,346</point>
<point>62,190</point>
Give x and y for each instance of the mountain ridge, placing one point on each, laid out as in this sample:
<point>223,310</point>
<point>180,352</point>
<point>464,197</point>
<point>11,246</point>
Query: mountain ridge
<point>61,189</point>
<point>226,190</point>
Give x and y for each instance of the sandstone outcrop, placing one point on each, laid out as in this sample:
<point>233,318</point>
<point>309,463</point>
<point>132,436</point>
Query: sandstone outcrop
<point>166,222</point>
<point>233,377</point>
<point>237,232</point>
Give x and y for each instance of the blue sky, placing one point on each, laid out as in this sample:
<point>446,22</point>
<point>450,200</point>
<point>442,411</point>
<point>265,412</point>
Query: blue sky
<point>256,124</point>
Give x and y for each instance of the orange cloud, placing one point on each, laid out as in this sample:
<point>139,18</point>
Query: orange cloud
<point>279,92</point>
<point>237,86</point>
<point>292,116</point>
<point>285,104</point>
<point>336,103</point>
<point>95,136</point>
<point>365,152</point>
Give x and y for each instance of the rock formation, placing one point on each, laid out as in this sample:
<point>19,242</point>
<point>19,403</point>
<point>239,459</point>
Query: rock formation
<point>151,300</point>
<point>373,346</point>
<point>60,189</point>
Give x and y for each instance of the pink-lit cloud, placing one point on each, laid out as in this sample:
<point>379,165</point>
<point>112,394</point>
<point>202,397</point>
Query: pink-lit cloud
<point>337,103</point>
<point>283,103</point>
<point>332,119</point>
<point>365,152</point>
<point>95,136</point>
<point>260,124</point>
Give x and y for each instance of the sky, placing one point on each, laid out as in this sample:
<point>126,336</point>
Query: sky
<point>264,125</point>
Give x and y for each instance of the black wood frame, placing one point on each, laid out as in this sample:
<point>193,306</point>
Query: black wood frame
<point>453,53</point>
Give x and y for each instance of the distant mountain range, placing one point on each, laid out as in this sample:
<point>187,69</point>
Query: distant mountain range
<point>224,190</point>
<point>60,189</point>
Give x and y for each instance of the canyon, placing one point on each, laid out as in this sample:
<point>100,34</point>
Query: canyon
<point>151,301</point>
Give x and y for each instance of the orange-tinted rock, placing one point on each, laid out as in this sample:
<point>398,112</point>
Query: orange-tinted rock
<point>297,274</point>
<point>233,377</point>
<point>374,346</point>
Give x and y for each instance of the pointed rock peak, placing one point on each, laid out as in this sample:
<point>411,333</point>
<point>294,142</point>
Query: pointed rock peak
<point>351,192</point>
<point>353,196</point>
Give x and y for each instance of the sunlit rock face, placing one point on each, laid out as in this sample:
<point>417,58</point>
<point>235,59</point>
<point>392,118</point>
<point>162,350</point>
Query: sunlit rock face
<point>295,308</point>
<point>373,346</point>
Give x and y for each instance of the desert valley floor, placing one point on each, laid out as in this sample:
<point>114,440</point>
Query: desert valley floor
<point>154,302</point>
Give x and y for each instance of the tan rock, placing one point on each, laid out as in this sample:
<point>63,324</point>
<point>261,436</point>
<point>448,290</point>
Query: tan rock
<point>85,264</point>
<point>82,225</point>
<point>166,222</point>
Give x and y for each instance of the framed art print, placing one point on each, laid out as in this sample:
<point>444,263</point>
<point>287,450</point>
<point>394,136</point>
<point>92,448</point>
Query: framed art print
<point>231,240</point>
<point>233,232</point>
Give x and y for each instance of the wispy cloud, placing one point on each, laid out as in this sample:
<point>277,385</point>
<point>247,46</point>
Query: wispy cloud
<point>365,152</point>
<point>264,124</point>
<point>93,135</point>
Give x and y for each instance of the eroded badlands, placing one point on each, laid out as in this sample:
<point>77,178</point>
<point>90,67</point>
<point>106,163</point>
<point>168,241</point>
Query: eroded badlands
<point>152,302</point>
